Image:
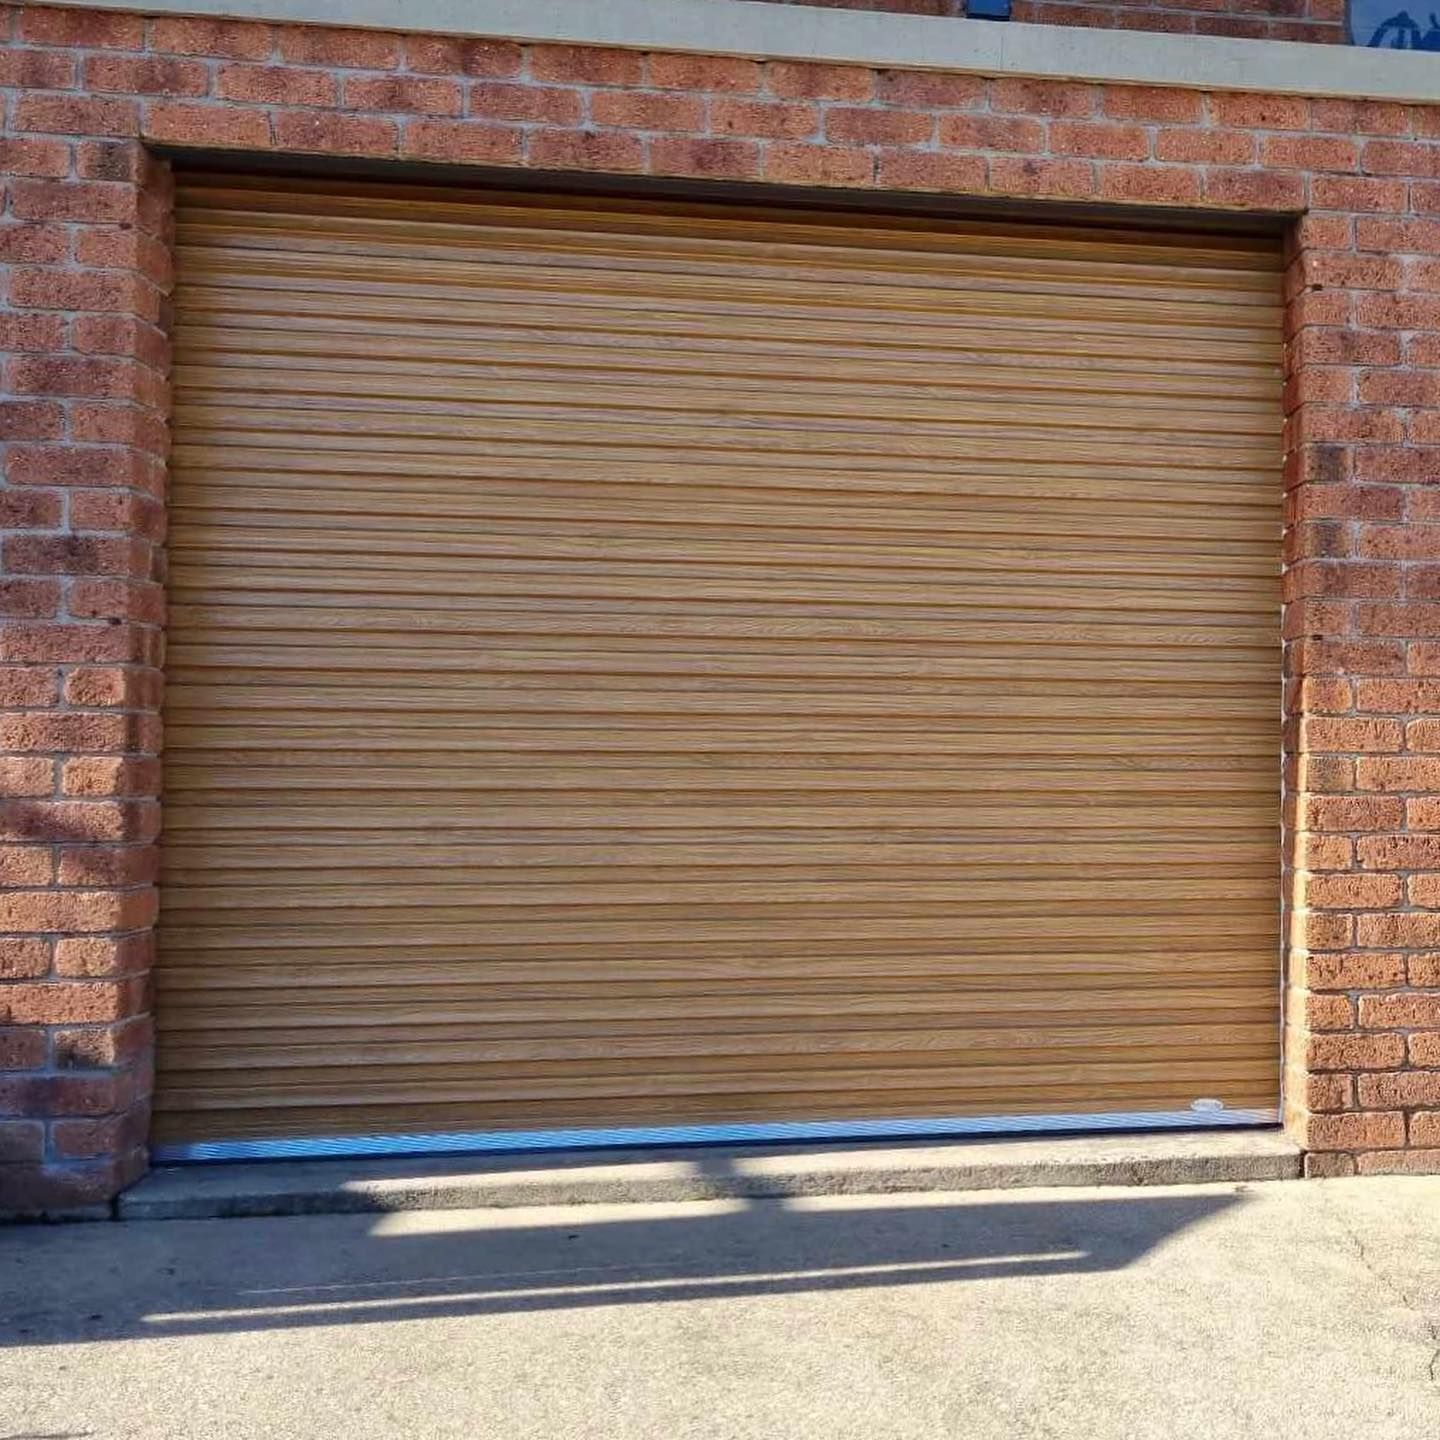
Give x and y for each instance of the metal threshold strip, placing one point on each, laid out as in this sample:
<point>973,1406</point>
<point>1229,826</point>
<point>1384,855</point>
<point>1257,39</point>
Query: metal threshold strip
<point>493,1142</point>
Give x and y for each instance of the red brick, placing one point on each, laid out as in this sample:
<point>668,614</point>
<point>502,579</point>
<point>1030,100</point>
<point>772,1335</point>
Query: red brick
<point>1423,735</point>
<point>1422,814</point>
<point>31,244</point>
<point>1374,1130</point>
<point>345,49</point>
<point>462,142</point>
<point>1330,1166</point>
<point>104,956</point>
<point>532,103</point>
<point>1205,147</point>
<point>404,93</point>
<point>1347,892</point>
<point>225,39</point>
<point>1409,930</point>
<point>84,1139</point>
<point>97,1047</point>
<point>66,1002</point>
<point>28,599</point>
<point>30,420</point>
<point>1399,772</point>
<point>109,160</point>
<point>21,1140</point>
<point>76,115</point>
<point>653,110</point>
<point>1319,1013</point>
<point>23,959</point>
<point>1260,112</point>
<point>1336,192</point>
<point>763,119</point>
<point>73,200</point>
<point>84,29</point>
<point>74,1189</point>
<point>1391,236</point>
<point>23,685</point>
<point>1400,1090</point>
<point>1400,157</point>
<point>1309,152</point>
<point>26,775</point>
<point>1353,272</point>
<point>1152,102</point>
<point>708,159</point>
<point>37,70</point>
<point>223,125</point>
<point>106,688</point>
<point>1398,388</point>
<point>1099,140</point>
<point>1353,812</point>
<point>799,81</point>
<point>858,126</point>
<point>67,643</point>
<point>139,775</point>
<point>323,133</point>
<point>34,157</point>
<point>705,73</point>
<point>69,555</point>
<point>1354,972</point>
<point>107,865</point>
<point>798,164</point>
<point>442,55</point>
<point>25,866</point>
<point>1058,179</point>
<point>1425,1131</point>
<point>991,132</point>
<point>931,90</point>
<point>21,1048</point>
<point>1400,1162</point>
<point>586,65</point>
<point>1054,98</point>
<point>1254,189</point>
<point>277,85</point>
<point>1360,117</point>
<point>42,289</point>
<point>1323,852</point>
<point>1424,1046</point>
<point>150,75</point>
<point>925,170</point>
<point>1330,1092</point>
<point>1150,184</point>
<point>585,150</point>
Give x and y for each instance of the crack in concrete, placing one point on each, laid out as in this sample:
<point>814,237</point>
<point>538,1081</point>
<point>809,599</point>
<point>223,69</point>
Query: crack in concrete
<point>1406,1299</point>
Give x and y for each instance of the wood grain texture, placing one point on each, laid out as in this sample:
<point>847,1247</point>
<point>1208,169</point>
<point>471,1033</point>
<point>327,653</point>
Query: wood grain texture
<point>653,663</point>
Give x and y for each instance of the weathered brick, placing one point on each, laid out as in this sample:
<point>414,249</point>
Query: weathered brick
<point>586,65</point>
<point>798,81</point>
<point>277,85</point>
<point>1368,1130</point>
<point>461,142</point>
<point>224,39</point>
<point>409,94</point>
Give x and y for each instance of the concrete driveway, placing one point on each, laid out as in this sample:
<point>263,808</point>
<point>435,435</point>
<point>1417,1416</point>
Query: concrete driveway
<point>1274,1310</point>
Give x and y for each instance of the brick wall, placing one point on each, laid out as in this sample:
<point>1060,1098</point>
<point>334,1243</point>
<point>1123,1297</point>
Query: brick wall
<point>85,269</point>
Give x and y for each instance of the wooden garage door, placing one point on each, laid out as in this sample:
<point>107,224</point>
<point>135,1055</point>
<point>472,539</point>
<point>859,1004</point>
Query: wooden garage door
<point>644,664</point>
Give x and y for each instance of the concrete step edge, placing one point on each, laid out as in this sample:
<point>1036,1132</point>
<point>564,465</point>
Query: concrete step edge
<point>668,1176</point>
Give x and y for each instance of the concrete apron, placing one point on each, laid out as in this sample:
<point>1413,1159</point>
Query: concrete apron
<point>202,1192</point>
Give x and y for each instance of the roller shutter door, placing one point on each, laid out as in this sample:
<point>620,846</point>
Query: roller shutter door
<point>642,664</point>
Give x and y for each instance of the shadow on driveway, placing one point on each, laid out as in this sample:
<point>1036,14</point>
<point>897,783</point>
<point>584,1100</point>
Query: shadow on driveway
<point>162,1278</point>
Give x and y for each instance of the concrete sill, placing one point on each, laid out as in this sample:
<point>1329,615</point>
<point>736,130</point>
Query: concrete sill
<point>617,1177</point>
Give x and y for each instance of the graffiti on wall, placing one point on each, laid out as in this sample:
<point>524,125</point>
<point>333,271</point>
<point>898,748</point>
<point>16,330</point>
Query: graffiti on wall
<point>1388,25</point>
